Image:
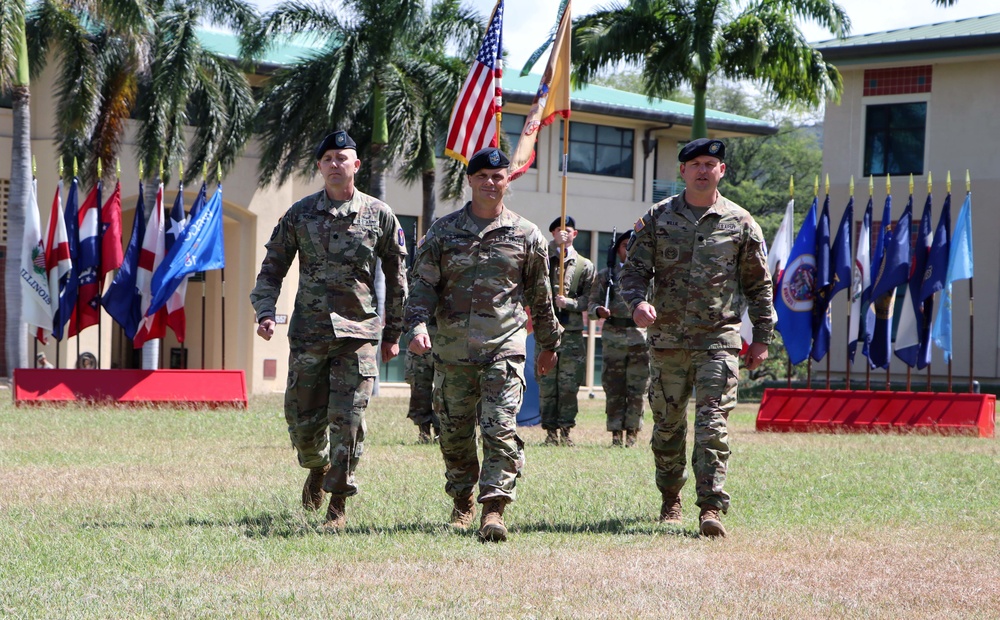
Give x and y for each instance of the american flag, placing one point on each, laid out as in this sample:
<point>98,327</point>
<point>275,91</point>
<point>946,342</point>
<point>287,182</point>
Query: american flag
<point>473,120</point>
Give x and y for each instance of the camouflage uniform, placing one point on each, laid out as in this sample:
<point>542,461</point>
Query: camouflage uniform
<point>418,371</point>
<point>334,328</point>
<point>478,284</point>
<point>705,270</point>
<point>558,389</point>
<point>625,377</point>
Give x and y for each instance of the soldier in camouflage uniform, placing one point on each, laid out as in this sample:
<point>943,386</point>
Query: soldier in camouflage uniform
<point>477,271</point>
<point>706,255</point>
<point>338,234</point>
<point>626,355</point>
<point>558,390</point>
<point>418,371</point>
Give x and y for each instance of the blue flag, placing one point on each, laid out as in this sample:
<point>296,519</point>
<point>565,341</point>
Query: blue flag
<point>893,273</point>
<point>201,249</point>
<point>122,300</point>
<point>69,284</point>
<point>937,261</point>
<point>795,296</point>
<point>960,266</point>
<point>840,252</point>
<point>823,285</point>
<point>913,334</point>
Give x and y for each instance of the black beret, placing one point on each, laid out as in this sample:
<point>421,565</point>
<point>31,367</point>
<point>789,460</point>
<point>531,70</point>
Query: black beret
<point>490,157</point>
<point>570,223</point>
<point>622,238</point>
<point>337,140</point>
<point>702,146</point>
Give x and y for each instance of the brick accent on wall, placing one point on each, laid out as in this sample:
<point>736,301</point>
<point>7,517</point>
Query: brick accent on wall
<point>898,81</point>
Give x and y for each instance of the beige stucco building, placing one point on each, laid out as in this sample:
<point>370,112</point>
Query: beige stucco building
<point>622,152</point>
<point>922,101</point>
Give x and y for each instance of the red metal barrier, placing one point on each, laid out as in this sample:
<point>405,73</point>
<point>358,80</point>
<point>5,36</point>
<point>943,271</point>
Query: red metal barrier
<point>949,413</point>
<point>213,388</point>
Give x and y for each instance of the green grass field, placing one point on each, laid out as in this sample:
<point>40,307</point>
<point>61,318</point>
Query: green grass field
<point>163,513</point>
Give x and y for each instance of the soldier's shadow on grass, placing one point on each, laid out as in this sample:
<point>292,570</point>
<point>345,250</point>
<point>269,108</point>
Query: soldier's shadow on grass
<point>631,526</point>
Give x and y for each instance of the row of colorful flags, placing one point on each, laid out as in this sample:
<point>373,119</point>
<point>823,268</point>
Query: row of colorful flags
<point>809,271</point>
<point>475,118</point>
<point>63,272</point>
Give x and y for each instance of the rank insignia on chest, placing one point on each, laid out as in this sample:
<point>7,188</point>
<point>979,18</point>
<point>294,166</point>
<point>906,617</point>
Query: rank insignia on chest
<point>400,237</point>
<point>639,225</point>
<point>671,254</point>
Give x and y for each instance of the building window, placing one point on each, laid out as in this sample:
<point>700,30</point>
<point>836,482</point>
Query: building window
<point>393,370</point>
<point>599,149</point>
<point>512,126</point>
<point>894,138</point>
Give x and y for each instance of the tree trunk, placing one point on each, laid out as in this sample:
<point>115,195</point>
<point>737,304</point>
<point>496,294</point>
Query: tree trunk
<point>16,330</point>
<point>430,199</point>
<point>699,129</point>
<point>377,190</point>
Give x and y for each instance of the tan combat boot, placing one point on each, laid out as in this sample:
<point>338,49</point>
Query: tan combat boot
<point>711,522</point>
<point>564,439</point>
<point>616,439</point>
<point>424,433</point>
<point>552,437</point>
<point>463,513</point>
<point>491,527</point>
<point>336,514</point>
<point>670,509</point>
<point>312,491</point>
<point>630,437</point>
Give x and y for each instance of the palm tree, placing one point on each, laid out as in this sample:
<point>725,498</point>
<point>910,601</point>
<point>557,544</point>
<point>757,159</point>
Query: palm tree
<point>689,41</point>
<point>15,79</point>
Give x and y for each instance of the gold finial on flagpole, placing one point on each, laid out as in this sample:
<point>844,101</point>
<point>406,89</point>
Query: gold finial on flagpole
<point>816,186</point>
<point>947,182</point>
<point>827,184</point>
<point>219,172</point>
<point>100,169</point>
<point>61,168</point>
<point>180,173</point>
<point>204,172</point>
<point>871,186</point>
<point>75,167</point>
<point>791,186</point>
<point>34,166</point>
<point>852,186</point>
<point>968,182</point>
<point>140,171</point>
<point>930,181</point>
<point>888,184</point>
<point>161,170</point>
<point>911,183</point>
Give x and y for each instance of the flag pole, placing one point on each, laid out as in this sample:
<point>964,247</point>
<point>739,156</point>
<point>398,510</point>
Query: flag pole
<point>852,251</point>
<point>562,220</point>
<point>222,272</point>
<point>204,280</point>
<point>829,354</point>
<point>972,340</point>
<point>74,313</point>
<point>100,282</point>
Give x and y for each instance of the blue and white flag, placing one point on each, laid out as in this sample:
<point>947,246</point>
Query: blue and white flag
<point>69,285</point>
<point>912,343</point>
<point>794,301</point>
<point>200,249</point>
<point>823,286</point>
<point>893,273</point>
<point>122,300</point>
<point>861,285</point>
<point>960,267</point>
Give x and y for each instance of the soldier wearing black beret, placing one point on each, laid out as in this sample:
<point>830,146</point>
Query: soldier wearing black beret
<point>694,262</point>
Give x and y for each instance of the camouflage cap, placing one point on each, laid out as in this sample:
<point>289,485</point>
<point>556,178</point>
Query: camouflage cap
<point>702,146</point>
<point>335,141</point>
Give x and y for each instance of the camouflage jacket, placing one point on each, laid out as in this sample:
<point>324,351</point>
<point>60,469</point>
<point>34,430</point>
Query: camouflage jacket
<point>571,317</point>
<point>619,309</point>
<point>478,284</point>
<point>704,271</point>
<point>337,250</point>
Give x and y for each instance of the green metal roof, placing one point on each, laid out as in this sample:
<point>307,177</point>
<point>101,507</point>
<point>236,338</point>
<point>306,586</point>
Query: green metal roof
<point>597,99</point>
<point>970,35</point>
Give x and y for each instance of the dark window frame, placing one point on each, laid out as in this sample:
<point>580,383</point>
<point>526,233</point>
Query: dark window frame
<point>892,131</point>
<point>590,147</point>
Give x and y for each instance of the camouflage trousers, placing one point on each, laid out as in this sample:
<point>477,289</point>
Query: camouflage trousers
<point>329,386</point>
<point>558,389</point>
<point>418,371</point>
<point>625,379</point>
<point>467,395</point>
<point>714,375</point>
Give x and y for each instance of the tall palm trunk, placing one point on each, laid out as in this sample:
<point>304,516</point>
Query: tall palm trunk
<point>380,137</point>
<point>16,330</point>
<point>699,128</point>
<point>429,198</point>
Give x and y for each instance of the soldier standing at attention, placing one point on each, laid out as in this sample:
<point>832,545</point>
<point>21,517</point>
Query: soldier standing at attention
<point>477,270</point>
<point>702,252</point>
<point>625,376</point>
<point>557,391</point>
<point>338,234</point>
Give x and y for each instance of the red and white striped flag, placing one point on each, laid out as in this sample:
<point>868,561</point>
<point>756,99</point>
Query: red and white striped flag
<point>153,251</point>
<point>473,124</point>
<point>58,264</point>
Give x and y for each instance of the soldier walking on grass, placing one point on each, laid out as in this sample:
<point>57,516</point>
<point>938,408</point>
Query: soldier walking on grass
<point>625,374</point>
<point>338,234</point>
<point>704,255</point>
<point>477,271</point>
<point>558,391</point>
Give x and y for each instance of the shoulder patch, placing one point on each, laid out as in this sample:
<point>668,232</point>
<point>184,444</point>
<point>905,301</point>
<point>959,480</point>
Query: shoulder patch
<point>639,224</point>
<point>421,242</point>
<point>400,238</point>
